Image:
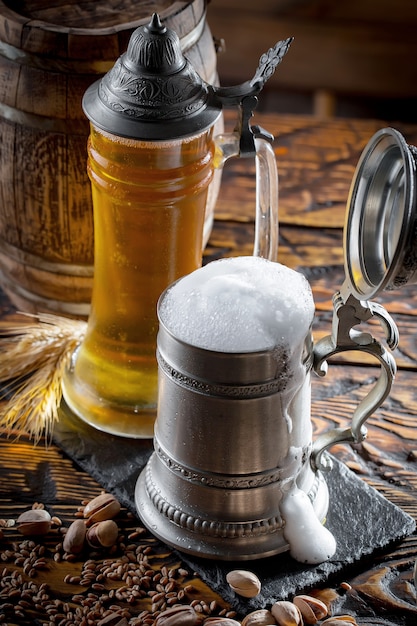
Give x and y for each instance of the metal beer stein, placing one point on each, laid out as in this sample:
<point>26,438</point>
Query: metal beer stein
<point>235,470</point>
<point>153,157</point>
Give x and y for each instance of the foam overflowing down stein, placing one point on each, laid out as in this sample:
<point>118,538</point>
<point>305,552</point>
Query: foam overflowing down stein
<point>152,157</point>
<point>235,473</point>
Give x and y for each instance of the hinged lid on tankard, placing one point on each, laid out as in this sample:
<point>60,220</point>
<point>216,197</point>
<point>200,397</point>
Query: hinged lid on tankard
<point>380,243</point>
<point>153,92</point>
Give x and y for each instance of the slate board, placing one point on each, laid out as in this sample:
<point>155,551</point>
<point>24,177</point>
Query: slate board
<point>363,522</point>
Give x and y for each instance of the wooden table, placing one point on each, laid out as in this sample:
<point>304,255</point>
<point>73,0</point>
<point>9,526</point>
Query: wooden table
<point>316,161</point>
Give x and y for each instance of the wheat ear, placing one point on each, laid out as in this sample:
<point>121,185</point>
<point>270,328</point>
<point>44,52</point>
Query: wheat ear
<point>33,358</point>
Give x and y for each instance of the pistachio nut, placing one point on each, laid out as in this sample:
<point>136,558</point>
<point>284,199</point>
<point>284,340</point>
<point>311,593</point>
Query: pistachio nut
<point>103,507</point>
<point>311,609</point>
<point>339,620</point>
<point>244,583</point>
<point>103,534</point>
<point>74,539</point>
<point>260,617</point>
<point>286,613</point>
<point>183,615</point>
<point>220,621</point>
<point>34,522</point>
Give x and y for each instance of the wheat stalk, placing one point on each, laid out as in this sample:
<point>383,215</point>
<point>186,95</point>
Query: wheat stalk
<point>33,358</point>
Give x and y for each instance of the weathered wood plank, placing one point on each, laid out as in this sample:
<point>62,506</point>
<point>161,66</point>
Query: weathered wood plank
<point>381,589</point>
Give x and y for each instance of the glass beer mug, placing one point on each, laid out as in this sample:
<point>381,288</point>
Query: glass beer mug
<point>152,157</point>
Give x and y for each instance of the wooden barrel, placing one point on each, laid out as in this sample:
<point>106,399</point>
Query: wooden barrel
<point>49,55</point>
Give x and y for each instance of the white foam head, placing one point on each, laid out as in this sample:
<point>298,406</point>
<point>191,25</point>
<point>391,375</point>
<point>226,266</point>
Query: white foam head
<point>239,304</point>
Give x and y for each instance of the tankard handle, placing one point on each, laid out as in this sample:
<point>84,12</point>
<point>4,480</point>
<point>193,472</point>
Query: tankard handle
<point>349,312</point>
<point>254,141</point>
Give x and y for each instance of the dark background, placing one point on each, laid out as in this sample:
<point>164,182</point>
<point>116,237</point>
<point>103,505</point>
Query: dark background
<point>349,58</point>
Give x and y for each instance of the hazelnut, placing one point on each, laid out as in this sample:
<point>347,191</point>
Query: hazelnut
<point>75,537</point>
<point>103,534</point>
<point>103,507</point>
<point>34,522</point>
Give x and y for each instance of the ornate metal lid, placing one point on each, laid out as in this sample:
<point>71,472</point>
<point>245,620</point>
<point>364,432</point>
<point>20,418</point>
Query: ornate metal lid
<point>152,91</point>
<point>380,244</point>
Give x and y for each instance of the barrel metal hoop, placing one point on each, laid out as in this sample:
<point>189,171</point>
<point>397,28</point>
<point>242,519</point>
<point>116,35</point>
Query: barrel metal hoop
<point>43,123</point>
<point>88,66</point>
<point>190,39</point>
<point>32,260</point>
<point>49,64</point>
<point>59,307</point>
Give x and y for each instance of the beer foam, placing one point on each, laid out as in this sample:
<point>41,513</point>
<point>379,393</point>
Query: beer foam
<point>239,304</point>
<point>309,541</point>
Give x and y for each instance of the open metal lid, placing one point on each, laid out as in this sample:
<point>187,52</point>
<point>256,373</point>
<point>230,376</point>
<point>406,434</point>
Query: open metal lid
<point>380,246</point>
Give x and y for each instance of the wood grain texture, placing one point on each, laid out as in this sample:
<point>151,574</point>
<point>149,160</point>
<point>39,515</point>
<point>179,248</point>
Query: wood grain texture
<point>49,56</point>
<point>314,160</point>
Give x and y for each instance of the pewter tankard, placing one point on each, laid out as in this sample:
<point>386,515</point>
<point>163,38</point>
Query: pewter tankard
<point>235,474</point>
<point>154,153</point>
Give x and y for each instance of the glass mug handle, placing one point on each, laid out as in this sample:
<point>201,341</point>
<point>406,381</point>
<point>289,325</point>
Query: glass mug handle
<point>349,312</point>
<point>266,207</point>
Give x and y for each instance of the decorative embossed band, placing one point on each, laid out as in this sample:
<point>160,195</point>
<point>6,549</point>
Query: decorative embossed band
<point>228,530</point>
<point>226,481</point>
<point>215,389</point>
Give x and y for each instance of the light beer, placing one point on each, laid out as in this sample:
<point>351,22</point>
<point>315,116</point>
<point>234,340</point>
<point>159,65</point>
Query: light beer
<point>149,203</point>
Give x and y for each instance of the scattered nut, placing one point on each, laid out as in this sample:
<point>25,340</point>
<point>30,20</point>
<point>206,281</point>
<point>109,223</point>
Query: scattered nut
<point>103,507</point>
<point>183,615</point>
<point>74,539</point>
<point>221,621</point>
<point>311,609</point>
<point>339,620</point>
<point>34,522</point>
<point>244,583</point>
<point>286,613</point>
<point>260,617</point>
<point>103,534</point>
<point>114,619</point>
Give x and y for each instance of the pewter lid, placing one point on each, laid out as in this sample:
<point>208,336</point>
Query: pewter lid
<point>152,92</point>
<point>380,244</point>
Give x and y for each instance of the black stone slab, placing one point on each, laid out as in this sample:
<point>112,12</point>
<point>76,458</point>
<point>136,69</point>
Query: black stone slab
<point>362,520</point>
